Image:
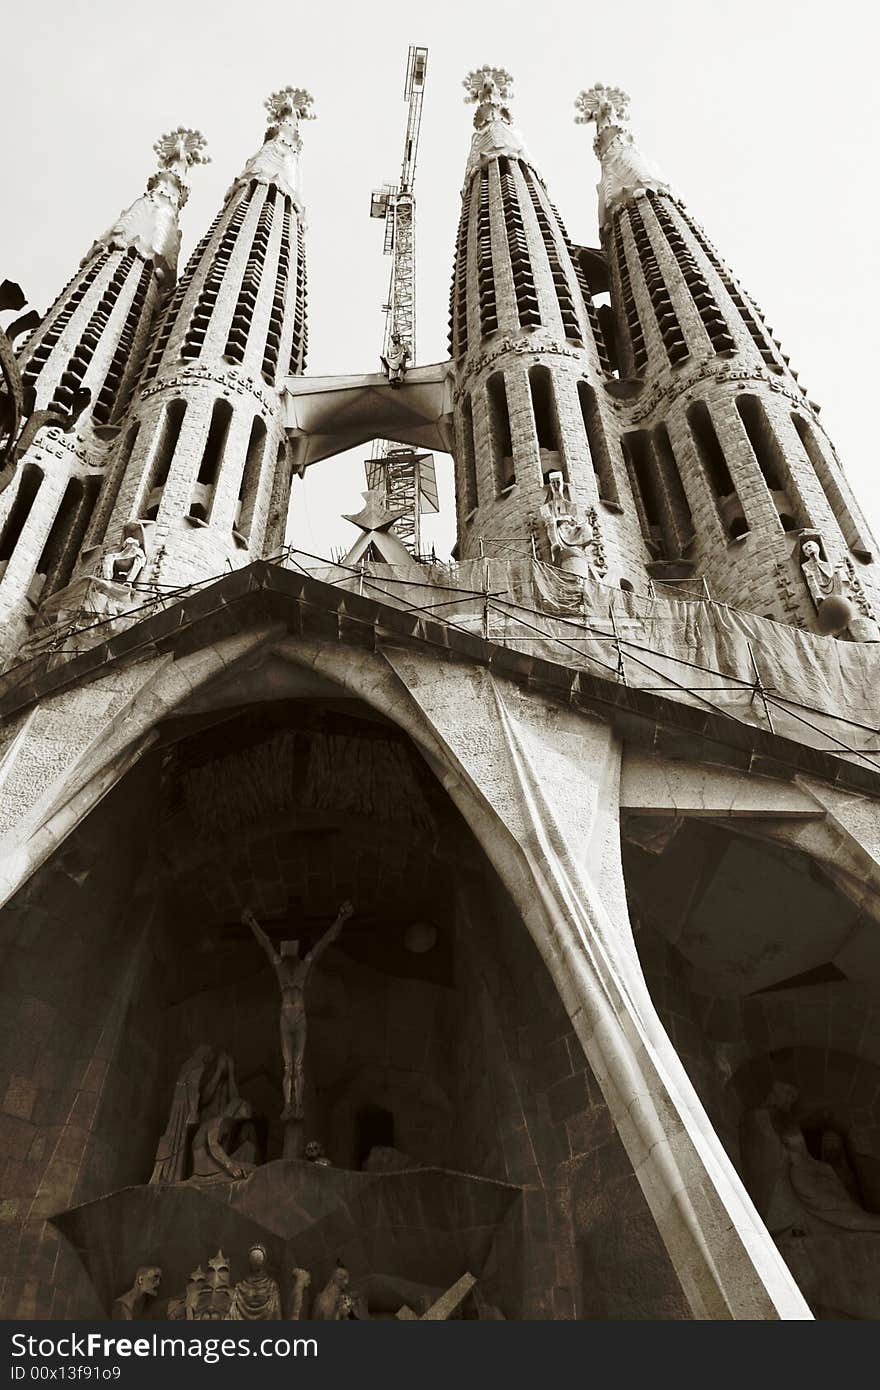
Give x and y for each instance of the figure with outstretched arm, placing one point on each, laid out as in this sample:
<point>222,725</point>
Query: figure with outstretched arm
<point>292,973</point>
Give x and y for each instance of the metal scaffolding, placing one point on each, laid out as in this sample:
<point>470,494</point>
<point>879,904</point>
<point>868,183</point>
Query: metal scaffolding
<point>405,478</point>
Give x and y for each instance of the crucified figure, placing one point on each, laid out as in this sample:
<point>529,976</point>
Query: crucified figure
<point>292,974</point>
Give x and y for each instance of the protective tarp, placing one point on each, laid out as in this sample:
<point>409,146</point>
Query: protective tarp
<point>821,691</point>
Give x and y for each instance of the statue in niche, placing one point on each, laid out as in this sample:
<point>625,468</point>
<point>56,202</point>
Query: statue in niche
<point>257,1296</point>
<point>301,1282</point>
<point>219,1149</point>
<point>184,1308</point>
<point>829,587</point>
<point>791,1189</point>
<point>215,1297</point>
<point>292,974</point>
<point>569,536</point>
<point>145,1286</point>
<point>205,1084</point>
<point>396,360</point>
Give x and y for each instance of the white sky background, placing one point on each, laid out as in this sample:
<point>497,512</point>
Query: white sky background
<point>764,115</point>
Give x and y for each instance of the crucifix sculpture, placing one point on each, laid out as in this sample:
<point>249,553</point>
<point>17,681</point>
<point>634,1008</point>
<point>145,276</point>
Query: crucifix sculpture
<point>292,973</point>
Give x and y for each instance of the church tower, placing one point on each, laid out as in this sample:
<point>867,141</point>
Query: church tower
<point>734,478</point>
<point>203,455</point>
<point>530,357</point>
<point>89,346</point>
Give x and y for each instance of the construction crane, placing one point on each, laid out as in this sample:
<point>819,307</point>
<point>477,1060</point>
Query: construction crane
<point>406,479</point>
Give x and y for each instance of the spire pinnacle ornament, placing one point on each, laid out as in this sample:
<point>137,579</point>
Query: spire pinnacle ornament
<point>625,171</point>
<point>490,88</point>
<point>150,224</point>
<point>290,104</point>
<point>180,149</point>
<point>603,105</point>
<point>278,160</point>
<point>494,133</point>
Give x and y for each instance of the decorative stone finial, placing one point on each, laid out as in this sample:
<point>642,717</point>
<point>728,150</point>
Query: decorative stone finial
<point>150,224</point>
<point>490,88</point>
<point>278,160</point>
<point>604,105</point>
<point>494,132</point>
<point>290,102</point>
<point>625,171</point>
<point>180,149</point>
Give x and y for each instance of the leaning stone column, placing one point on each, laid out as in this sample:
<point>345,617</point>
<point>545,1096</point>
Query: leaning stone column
<point>538,783</point>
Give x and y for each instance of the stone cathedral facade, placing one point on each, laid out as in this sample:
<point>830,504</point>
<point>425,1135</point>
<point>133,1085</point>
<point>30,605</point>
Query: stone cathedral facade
<point>491,939</point>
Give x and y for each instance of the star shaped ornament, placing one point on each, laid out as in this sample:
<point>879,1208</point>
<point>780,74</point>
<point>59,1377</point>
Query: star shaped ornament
<point>375,515</point>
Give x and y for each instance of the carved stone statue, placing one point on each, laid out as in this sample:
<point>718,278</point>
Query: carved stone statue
<point>569,536</point>
<point>333,1303</point>
<point>257,1296</point>
<point>829,587</point>
<point>215,1138</point>
<point>788,1185</point>
<point>292,974</point>
<point>145,1286</point>
<point>314,1152</point>
<point>396,360</point>
<point>123,566</point>
<point>205,1082</point>
<point>301,1282</point>
<point>215,1298</point>
<point>184,1308</point>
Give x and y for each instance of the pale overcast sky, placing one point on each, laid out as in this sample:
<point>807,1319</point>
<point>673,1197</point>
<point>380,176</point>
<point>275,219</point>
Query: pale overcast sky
<point>764,115</point>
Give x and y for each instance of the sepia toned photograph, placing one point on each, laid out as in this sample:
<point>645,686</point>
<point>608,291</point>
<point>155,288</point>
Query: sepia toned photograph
<point>439,670</point>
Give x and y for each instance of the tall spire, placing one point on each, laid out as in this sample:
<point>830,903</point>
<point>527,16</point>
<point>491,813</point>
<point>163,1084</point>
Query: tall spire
<point>150,224</point>
<point>734,481</point>
<point>277,161</point>
<point>204,455</point>
<point>494,133</point>
<point>625,170</point>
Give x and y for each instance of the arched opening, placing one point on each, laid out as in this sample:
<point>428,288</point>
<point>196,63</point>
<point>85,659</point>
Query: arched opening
<point>772,462</point>
<point>111,484</point>
<point>166,445</point>
<point>28,487</point>
<point>597,442</point>
<point>499,426</point>
<point>825,472</point>
<point>288,806</point>
<point>212,458</point>
<point>766,1035</point>
<point>468,457</point>
<point>59,553</point>
<point>546,420</point>
<point>714,463</point>
<point>249,487</point>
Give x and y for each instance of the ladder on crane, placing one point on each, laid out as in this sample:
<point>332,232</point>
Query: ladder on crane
<point>406,479</point>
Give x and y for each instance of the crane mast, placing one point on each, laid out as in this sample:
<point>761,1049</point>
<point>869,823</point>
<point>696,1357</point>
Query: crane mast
<point>405,478</point>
